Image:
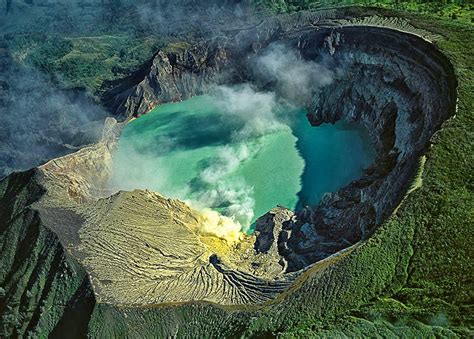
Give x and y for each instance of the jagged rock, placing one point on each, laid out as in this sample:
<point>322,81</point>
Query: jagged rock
<point>268,228</point>
<point>173,76</point>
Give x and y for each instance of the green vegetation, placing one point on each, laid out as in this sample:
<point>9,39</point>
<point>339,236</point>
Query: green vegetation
<point>461,11</point>
<point>93,62</point>
<point>88,62</point>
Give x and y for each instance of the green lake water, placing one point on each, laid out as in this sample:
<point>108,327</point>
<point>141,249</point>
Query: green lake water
<point>196,151</point>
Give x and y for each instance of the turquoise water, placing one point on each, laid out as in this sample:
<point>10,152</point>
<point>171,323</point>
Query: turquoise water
<point>202,153</point>
<point>334,155</point>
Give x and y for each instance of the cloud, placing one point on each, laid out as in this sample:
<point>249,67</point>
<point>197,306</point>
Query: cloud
<point>295,78</point>
<point>256,110</point>
<point>206,19</point>
<point>216,187</point>
<point>227,161</point>
<point>41,122</point>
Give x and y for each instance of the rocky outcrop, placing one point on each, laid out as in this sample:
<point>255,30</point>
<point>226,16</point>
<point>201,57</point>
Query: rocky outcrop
<point>172,76</point>
<point>268,228</point>
<point>269,232</point>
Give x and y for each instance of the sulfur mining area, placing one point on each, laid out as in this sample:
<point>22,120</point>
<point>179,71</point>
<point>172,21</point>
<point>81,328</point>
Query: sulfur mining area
<point>235,169</point>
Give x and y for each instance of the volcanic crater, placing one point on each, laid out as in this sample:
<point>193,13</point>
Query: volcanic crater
<point>140,248</point>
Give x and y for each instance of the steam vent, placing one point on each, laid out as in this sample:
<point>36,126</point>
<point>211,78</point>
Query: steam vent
<point>198,209</point>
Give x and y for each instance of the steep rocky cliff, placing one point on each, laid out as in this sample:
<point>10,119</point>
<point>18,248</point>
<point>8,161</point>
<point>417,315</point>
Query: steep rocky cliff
<point>402,90</point>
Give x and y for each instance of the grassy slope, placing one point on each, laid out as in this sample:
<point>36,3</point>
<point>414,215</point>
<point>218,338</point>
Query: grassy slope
<point>88,62</point>
<point>459,10</point>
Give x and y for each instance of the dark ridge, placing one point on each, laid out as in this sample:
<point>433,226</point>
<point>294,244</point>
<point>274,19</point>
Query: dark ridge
<point>17,182</point>
<point>115,99</point>
<point>55,266</point>
<point>24,250</point>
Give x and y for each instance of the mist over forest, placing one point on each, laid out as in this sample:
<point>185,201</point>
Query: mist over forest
<point>55,64</point>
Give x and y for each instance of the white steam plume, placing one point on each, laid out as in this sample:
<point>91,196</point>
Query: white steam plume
<point>296,78</point>
<point>40,122</point>
<point>245,114</point>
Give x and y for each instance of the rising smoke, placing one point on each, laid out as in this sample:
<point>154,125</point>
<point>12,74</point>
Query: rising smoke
<point>247,114</point>
<point>244,115</point>
<point>252,114</point>
<point>295,78</point>
<point>40,122</point>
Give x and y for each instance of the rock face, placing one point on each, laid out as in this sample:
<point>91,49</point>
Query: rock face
<point>134,263</point>
<point>269,232</point>
<point>172,76</point>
